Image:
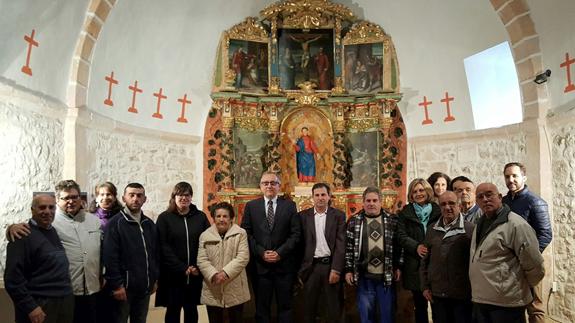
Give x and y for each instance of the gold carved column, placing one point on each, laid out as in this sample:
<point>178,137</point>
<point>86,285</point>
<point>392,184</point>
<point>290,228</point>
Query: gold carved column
<point>227,148</point>
<point>340,168</point>
<point>273,143</point>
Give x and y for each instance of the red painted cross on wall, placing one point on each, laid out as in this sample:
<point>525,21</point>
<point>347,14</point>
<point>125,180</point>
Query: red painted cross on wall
<point>111,82</point>
<point>135,90</point>
<point>184,100</point>
<point>425,104</point>
<point>446,100</point>
<point>31,42</point>
<point>160,96</point>
<point>567,64</point>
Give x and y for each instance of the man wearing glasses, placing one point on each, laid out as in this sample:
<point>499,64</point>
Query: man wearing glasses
<point>80,234</point>
<point>274,228</point>
<point>505,261</point>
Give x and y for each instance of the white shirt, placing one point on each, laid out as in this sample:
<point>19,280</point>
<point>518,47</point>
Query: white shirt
<point>321,246</point>
<point>274,203</point>
<point>81,238</point>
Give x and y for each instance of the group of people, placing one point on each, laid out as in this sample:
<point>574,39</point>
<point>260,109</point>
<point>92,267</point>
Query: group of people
<point>470,252</point>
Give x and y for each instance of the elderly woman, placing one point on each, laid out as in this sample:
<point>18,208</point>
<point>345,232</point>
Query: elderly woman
<point>222,258</point>
<point>106,203</point>
<point>440,183</point>
<point>179,229</point>
<point>414,219</point>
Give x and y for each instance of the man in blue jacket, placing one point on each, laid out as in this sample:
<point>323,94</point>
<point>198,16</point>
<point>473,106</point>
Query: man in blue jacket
<point>535,211</point>
<point>131,257</point>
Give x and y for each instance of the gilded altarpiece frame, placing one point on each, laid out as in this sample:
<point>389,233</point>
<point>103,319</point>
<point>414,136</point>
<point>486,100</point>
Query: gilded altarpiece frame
<point>358,133</point>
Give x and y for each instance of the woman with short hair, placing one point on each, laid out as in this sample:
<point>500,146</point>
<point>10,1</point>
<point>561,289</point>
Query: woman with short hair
<point>222,258</point>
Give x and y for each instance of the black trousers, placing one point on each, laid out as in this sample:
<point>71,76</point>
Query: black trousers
<point>85,308</point>
<point>318,287</point>
<point>216,314</point>
<point>186,297</point>
<point>280,284</point>
<point>451,310</point>
<point>420,304</point>
<point>485,313</point>
<point>57,310</point>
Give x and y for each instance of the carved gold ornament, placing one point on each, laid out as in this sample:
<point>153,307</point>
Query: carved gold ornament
<point>274,87</point>
<point>338,88</point>
<point>363,124</point>
<point>307,14</point>
<point>230,78</point>
<point>251,123</point>
<point>364,32</point>
<point>250,30</point>
<point>307,95</point>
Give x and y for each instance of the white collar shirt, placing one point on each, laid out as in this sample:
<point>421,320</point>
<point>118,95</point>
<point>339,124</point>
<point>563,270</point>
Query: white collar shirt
<point>321,246</point>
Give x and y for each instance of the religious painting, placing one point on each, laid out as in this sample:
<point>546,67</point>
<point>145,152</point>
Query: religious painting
<point>307,148</point>
<point>306,55</point>
<point>363,68</point>
<point>249,61</point>
<point>248,152</point>
<point>363,152</point>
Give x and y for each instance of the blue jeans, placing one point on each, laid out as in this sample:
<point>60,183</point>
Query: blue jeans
<point>372,294</point>
<point>136,308</point>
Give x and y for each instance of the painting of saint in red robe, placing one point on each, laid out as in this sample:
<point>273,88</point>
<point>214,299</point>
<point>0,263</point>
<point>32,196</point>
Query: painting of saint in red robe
<point>305,155</point>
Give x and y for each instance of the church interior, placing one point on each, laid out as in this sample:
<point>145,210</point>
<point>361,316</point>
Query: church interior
<point>152,92</point>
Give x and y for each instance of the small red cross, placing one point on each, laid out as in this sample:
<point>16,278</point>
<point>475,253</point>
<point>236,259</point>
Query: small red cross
<point>424,104</point>
<point>184,100</point>
<point>135,90</point>
<point>111,81</point>
<point>567,64</point>
<point>160,96</point>
<point>31,42</point>
<point>446,100</point>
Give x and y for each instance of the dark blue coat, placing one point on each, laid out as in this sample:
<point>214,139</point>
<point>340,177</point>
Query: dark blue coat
<point>131,253</point>
<point>535,211</point>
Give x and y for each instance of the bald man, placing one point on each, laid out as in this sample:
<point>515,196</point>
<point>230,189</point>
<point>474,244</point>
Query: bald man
<point>505,262</point>
<point>36,276</point>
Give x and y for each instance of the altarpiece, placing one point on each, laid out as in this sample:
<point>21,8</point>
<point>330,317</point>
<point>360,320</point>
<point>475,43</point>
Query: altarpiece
<point>309,92</point>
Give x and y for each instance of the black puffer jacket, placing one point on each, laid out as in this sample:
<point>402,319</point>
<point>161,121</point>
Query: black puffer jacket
<point>535,211</point>
<point>411,233</point>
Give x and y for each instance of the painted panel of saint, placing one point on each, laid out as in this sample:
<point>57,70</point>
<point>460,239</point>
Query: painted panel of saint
<point>363,68</point>
<point>249,60</point>
<point>364,158</point>
<point>248,152</point>
<point>305,56</point>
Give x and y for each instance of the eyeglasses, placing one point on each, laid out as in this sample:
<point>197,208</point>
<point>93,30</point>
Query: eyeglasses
<point>486,195</point>
<point>69,198</point>
<point>272,183</point>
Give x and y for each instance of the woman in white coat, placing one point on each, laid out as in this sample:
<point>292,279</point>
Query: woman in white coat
<point>223,255</point>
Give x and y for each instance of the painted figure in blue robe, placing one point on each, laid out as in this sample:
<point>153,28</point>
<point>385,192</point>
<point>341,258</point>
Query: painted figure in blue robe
<point>305,154</point>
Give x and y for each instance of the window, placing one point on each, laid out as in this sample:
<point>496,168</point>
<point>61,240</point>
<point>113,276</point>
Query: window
<point>493,87</point>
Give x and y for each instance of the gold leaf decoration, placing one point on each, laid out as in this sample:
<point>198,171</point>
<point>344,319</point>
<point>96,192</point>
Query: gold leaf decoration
<point>250,30</point>
<point>307,14</point>
<point>364,32</point>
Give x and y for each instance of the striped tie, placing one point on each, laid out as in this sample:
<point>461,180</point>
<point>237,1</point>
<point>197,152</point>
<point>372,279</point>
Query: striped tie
<point>270,214</point>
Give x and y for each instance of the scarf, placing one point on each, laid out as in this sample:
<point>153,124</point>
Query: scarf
<point>423,213</point>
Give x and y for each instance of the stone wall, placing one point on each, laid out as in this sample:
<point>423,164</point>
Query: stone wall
<point>122,154</point>
<point>31,143</point>
<point>479,155</point>
<point>562,303</point>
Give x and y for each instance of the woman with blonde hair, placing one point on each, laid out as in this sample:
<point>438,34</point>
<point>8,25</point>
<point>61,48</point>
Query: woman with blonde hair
<point>223,255</point>
<point>414,219</point>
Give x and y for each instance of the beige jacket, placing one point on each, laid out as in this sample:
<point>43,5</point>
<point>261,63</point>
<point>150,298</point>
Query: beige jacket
<point>506,263</point>
<point>230,254</point>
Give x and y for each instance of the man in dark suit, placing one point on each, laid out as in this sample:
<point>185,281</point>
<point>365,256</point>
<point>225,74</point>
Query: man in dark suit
<point>274,228</point>
<point>324,255</point>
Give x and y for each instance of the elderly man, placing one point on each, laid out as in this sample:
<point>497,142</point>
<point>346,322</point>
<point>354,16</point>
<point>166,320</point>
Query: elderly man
<point>534,210</point>
<point>130,256</point>
<point>505,262</point>
<point>36,275</point>
<point>274,229</point>
<point>465,191</point>
<point>444,270</point>
<point>324,255</point>
<point>372,258</point>
<point>80,234</point>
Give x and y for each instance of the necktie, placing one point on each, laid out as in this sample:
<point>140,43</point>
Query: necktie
<point>270,214</point>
